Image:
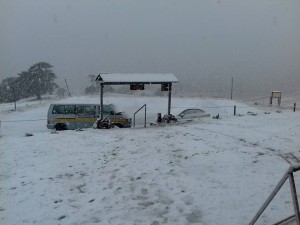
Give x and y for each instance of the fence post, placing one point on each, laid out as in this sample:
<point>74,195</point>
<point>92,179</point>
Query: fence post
<point>294,107</point>
<point>234,110</point>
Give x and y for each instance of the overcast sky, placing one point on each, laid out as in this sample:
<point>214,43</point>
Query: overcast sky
<point>203,42</point>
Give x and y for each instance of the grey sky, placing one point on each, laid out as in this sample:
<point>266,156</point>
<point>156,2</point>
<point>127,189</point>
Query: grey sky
<point>203,42</point>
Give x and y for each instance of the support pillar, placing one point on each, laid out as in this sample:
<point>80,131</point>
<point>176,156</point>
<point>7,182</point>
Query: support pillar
<point>101,100</point>
<point>169,100</point>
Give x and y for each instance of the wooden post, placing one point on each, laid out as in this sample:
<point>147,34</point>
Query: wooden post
<point>294,107</point>
<point>234,110</point>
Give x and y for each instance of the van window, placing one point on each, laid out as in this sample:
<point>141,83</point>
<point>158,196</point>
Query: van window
<point>90,109</point>
<point>58,109</point>
<point>70,109</point>
<point>80,109</point>
<point>63,109</point>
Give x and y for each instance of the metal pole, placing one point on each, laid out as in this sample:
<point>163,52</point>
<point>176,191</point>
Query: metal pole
<point>294,196</point>
<point>134,120</point>
<point>137,112</point>
<point>294,107</point>
<point>271,196</point>
<point>169,100</point>
<point>101,101</point>
<point>234,110</point>
<point>67,87</point>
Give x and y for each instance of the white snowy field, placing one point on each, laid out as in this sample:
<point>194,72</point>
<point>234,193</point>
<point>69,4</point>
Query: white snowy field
<point>206,172</point>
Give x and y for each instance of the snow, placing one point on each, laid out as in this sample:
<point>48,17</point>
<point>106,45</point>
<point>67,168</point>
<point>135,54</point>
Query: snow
<point>205,172</point>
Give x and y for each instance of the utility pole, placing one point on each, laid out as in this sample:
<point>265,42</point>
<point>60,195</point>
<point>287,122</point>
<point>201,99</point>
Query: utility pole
<point>231,88</point>
<point>67,87</point>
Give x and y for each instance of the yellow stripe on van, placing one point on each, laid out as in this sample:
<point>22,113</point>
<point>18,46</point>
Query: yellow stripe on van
<point>86,120</point>
<point>76,120</point>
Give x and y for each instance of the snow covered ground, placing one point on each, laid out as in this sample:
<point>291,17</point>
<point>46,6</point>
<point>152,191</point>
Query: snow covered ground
<point>207,172</point>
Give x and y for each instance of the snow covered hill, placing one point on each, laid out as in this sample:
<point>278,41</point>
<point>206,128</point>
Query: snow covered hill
<point>205,172</point>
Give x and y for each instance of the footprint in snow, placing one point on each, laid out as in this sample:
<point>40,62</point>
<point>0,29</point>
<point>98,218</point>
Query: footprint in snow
<point>144,191</point>
<point>61,217</point>
<point>163,198</point>
<point>58,201</point>
<point>188,200</point>
<point>194,216</point>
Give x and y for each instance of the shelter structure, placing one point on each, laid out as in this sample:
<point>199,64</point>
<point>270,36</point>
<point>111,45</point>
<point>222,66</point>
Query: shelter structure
<point>137,82</point>
<point>275,94</point>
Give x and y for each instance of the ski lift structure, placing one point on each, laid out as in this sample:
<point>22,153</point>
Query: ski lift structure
<point>136,82</point>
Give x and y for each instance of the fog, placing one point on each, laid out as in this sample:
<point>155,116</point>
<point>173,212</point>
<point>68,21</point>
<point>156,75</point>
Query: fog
<point>203,43</point>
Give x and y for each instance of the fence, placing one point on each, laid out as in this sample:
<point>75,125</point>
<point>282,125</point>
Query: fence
<point>288,175</point>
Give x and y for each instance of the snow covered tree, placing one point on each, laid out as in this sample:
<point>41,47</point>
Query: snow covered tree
<point>37,80</point>
<point>9,90</point>
<point>24,84</point>
<point>40,79</point>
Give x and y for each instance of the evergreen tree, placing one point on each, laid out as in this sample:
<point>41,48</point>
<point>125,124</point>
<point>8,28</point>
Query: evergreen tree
<point>24,85</point>
<point>9,90</point>
<point>38,80</point>
<point>41,79</point>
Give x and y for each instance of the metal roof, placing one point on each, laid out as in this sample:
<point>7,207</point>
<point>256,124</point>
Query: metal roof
<point>119,78</point>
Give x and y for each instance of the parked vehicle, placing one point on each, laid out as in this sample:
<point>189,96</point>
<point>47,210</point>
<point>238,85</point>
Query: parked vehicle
<point>77,116</point>
<point>186,114</point>
<point>192,113</point>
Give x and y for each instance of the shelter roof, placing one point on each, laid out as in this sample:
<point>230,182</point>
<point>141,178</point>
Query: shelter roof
<point>119,78</point>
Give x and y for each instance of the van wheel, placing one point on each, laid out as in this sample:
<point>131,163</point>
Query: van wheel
<point>60,126</point>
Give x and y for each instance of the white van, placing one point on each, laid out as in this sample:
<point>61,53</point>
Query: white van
<point>76,116</point>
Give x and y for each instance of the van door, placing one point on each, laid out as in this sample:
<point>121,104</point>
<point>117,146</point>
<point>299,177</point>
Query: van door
<point>62,115</point>
<point>70,114</point>
<point>85,116</point>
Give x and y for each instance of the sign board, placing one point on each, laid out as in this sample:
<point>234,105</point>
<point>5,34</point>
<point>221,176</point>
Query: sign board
<point>276,94</point>
<point>137,87</point>
<point>165,87</point>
